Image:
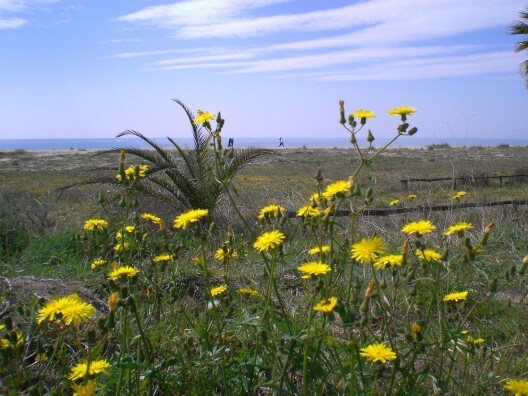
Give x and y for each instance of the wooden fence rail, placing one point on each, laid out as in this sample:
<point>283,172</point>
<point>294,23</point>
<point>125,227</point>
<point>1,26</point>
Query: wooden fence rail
<point>407,182</point>
<point>393,211</point>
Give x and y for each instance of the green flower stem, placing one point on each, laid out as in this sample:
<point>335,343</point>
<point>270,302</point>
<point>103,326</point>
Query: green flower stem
<point>307,345</point>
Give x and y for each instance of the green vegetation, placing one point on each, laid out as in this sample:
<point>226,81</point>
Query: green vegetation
<point>247,301</point>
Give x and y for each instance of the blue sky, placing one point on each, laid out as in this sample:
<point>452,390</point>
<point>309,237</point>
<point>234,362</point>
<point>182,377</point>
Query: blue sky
<point>93,68</point>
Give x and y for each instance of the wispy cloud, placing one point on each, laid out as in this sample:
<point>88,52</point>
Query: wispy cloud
<point>10,11</point>
<point>371,32</point>
<point>424,68</point>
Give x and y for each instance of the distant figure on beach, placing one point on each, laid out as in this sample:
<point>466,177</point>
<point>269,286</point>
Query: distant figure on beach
<point>281,142</point>
<point>230,142</point>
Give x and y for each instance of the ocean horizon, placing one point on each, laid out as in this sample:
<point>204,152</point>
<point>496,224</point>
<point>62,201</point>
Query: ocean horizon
<point>108,143</point>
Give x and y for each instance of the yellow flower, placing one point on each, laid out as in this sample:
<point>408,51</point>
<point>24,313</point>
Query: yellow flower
<point>475,341</point>
<point>216,291</point>
<point>248,292</point>
<point>313,268</point>
<point>367,250</point>
<point>203,116</point>
<point>127,230</point>
<point>2,327</point>
<point>121,246</point>
<point>457,296</point>
<point>6,343</point>
<point>517,387</point>
<point>95,224</point>
<point>81,369</point>
<point>416,328</point>
<point>153,219</point>
<point>271,211</point>
<point>459,228</point>
<point>97,263</point>
<point>226,253</point>
<point>269,241</point>
<point>70,309</point>
<point>315,198</point>
<point>339,189</point>
<point>394,260</point>
<point>394,202</point>
<point>412,196</point>
<point>308,211</point>
<point>428,255</point>
<point>458,195</point>
<point>402,110</point>
<point>361,113</point>
<point>326,306</point>
<point>77,313</point>
<point>419,228</point>
<point>378,353</point>
<point>317,250</point>
<point>189,217</point>
<point>87,389</point>
<point>162,257</point>
<point>113,300</point>
<point>130,172</point>
<point>123,272</point>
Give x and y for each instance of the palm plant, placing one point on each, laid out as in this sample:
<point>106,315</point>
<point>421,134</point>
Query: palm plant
<point>195,178</point>
<point>520,28</point>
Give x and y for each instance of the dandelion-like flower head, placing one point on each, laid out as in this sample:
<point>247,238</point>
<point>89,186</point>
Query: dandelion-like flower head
<point>326,306</point>
<point>367,250</point>
<point>428,255</point>
<point>456,296</point>
<point>271,211</point>
<point>123,273</point>
<point>393,260</point>
<point>378,353</point>
<point>336,189</point>
<point>459,228</point>
<point>189,217</point>
<point>419,228</point>
<point>81,369</point>
<point>402,110</point>
<point>313,268</point>
<point>95,224</point>
<point>269,241</point>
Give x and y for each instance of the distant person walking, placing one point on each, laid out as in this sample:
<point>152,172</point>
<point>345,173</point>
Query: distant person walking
<point>281,142</point>
<point>230,142</point>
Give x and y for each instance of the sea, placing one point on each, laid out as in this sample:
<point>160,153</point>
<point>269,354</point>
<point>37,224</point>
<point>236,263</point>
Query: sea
<point>108,143</point>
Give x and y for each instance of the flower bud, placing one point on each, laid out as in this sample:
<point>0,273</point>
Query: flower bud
<point>113,300</point>
<point>91,336</point>
<point>370,136</point>
<point>493,285</point>
<point>351,120</point>
<point>489,227</point>
<point>342,112</point>
<point>524,264</point>
<point>370,289</point>
<point>412,131</point>
<point>405,247</point>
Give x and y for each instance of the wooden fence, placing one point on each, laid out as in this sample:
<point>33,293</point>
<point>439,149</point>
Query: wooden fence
<point>394,211</point>
<point>469,179</point>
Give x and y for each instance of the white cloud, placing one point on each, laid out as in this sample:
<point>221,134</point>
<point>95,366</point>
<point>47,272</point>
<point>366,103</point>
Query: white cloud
<point>424,68</point>
<point>227,18</point>
<point>194,12</point>
<point>10,7</point>
<point>369,34</point>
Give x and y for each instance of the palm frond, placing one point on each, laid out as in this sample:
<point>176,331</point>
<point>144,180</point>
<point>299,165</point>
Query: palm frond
<point>162,153</point>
